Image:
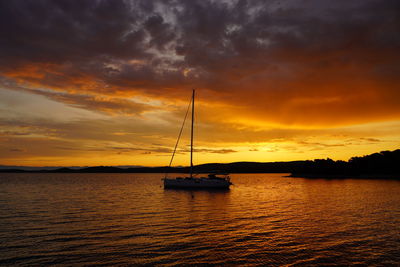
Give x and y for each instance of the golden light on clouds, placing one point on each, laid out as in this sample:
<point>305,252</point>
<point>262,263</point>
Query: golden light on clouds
<point>297,82</point>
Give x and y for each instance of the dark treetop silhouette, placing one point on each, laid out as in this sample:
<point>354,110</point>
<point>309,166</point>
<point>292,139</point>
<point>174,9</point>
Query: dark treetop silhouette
<point>385,164</point>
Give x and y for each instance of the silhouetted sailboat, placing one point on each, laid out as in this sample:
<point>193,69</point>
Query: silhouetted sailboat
<point>212,181</point>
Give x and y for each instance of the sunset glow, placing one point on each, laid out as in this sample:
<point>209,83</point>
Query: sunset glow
<point>86,83</point>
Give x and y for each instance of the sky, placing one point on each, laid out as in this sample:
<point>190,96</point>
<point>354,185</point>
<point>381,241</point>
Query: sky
<point>96,82</point>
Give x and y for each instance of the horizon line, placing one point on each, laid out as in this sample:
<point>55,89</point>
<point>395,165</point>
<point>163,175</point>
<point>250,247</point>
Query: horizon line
<point>181,166</point>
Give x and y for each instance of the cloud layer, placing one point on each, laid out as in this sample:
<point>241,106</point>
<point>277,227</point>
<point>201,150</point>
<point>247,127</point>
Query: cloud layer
<point>260,67</point>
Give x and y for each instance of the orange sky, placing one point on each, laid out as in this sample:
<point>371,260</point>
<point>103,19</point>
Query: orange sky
<point>275,81</point>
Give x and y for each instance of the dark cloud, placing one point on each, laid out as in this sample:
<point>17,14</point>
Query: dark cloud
<point>216,151</point>
<point>319,144</point>
<point>373,140</point>
<point>16,150</point>
<point>97,103</point>
<point>325,60</point>
<point>13,133</point>
<point>205,33</point>
<point>60,31</point>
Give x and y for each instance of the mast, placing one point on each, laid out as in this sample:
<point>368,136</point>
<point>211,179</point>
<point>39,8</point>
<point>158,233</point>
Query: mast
<point>191,139</point>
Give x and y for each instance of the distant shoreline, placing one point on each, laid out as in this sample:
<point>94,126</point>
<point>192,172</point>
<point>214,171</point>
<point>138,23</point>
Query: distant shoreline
<point>382,165</point>
<point>183,170</point>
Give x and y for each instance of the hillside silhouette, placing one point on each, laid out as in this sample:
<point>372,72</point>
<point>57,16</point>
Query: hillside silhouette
<point>385,164</point>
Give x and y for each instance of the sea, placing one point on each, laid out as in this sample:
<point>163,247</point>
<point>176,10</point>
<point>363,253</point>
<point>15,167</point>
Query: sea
<point>263,220</point>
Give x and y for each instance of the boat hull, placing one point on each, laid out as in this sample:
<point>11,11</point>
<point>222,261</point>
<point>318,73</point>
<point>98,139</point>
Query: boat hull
<point>196,183</point>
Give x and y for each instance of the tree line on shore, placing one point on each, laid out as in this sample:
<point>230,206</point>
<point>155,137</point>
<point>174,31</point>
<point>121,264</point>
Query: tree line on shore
<point>384,163</point>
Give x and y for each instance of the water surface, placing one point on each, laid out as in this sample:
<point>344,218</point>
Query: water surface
<point>265,219</point>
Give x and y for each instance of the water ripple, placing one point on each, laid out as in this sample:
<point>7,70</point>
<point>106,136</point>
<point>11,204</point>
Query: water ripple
<point>128,219</point>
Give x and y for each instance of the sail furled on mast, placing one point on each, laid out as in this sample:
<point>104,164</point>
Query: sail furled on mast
<point>191,104</point>
<point>191,137</point>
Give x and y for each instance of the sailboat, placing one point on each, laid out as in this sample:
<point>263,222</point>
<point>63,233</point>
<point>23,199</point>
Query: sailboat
<point>212,181</point>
